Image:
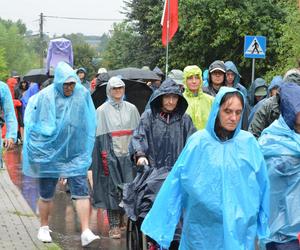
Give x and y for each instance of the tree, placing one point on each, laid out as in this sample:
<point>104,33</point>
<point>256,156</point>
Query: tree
<point>210,30</point>
<point>3,68</point>
<point>121,49</point>
<point>288,46</point>
<point>83,57</point>
<point>145,17</point>
<point>18,55</point>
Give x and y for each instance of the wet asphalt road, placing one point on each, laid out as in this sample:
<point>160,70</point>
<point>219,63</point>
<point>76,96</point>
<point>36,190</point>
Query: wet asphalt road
<point>64,221</point>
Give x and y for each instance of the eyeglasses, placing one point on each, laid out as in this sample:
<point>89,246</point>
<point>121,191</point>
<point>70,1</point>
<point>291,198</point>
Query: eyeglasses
<point>117,88</point>
<point>69,84</point>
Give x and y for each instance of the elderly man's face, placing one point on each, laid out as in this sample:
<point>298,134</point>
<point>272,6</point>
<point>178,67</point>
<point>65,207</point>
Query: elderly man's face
<point>68,88</point>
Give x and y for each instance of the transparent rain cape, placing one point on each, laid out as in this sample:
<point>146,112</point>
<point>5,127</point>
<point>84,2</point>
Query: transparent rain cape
<point>59,130</point>
<point>280,145</point>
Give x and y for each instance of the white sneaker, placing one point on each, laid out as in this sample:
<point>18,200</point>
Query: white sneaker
<point>87,237</point>
<point>44,234</point>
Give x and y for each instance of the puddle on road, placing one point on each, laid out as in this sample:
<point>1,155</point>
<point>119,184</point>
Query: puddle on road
<point>64,221</point>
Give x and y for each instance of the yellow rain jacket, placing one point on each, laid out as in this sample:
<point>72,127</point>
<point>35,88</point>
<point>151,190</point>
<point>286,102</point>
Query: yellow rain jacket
<point>199,104</point>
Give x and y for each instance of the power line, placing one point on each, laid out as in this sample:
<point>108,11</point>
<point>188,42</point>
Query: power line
<point>87,19</point>
<point>41,30</point>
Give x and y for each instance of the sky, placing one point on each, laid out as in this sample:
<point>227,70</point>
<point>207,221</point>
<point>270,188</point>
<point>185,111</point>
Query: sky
<point>29,12</point>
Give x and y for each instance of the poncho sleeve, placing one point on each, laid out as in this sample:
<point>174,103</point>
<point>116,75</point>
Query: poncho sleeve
<point>263,215</point>
<point>139,142</point>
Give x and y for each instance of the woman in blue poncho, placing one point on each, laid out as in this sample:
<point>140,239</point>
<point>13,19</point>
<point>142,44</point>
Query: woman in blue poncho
<point>219,184</point>
<point>280,144</point>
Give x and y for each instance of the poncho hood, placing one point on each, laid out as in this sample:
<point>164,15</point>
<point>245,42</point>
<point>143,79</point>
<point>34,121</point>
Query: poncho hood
<point>169,87</point>
<point>230,66</point>
<point>191,71</point>
<point>62,72</point>
<point>210,126</point>
<point>258,82</point>
<point>114,82</point>
<point>275,83</point>
<point>289,103</point>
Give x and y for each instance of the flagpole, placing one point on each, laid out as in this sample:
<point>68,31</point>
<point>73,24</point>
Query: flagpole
<point>168,29</point>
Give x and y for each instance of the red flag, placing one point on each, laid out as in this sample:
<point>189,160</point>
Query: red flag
<point>169,19</point>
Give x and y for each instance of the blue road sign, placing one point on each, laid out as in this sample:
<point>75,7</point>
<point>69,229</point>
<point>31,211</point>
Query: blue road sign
<point>255,47</point>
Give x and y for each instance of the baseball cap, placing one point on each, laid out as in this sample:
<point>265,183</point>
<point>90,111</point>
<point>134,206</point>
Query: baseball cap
<point>101,70</point>
<point>116,82</point>
<point>71,79</point>
<point>217,65</point>
<point>260,91</point>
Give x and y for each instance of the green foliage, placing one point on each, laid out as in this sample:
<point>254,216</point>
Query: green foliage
<point>288,46</point>
<point>77,39</point>
<point>208,30</point>
<point>87,51</point>
<point>104,39</point>
<point>17,53</point>
<point>3,68</point>
<point>121,50</point>
<point>83,57</point>
<point>211,30</point>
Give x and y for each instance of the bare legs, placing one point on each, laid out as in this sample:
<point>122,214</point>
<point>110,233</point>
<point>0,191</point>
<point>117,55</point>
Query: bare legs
<point>45,208</point>
<point>83,210</point>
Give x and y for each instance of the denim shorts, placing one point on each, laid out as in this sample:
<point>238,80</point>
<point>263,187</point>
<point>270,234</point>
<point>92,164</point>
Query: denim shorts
<point>78,187</point>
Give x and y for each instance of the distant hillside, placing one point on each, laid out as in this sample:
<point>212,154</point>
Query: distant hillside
<point>93,40</point>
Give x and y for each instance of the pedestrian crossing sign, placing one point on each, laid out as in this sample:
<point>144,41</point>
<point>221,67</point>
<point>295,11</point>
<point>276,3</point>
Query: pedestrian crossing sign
<point>255,47</point>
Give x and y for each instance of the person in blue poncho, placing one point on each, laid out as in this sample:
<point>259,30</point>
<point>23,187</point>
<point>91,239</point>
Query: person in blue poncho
<point>60,126</point>
<point>233,80</point>
<point>233,77</point>
<point>280,144</point>
<point>219,184</point>
<point>9,118</point>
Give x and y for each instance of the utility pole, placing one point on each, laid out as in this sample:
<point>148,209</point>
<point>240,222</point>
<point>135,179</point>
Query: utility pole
<point>41,41</point>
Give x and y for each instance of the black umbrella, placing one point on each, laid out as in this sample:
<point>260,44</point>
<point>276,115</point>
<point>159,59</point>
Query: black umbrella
<point>137,93</point>
<point>36,75</point>
<point>134,73</point>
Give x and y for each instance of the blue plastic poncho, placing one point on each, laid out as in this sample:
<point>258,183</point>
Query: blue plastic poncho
<point>7,107</point>
<point>230,66</point>
<point>32,90</point>
<point>59,130</point>
<point>281,148</point>
<point>275,83</point>
<point>221,188</point>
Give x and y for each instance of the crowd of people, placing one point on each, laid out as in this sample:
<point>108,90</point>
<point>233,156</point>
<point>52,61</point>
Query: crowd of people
<point>223,162</point>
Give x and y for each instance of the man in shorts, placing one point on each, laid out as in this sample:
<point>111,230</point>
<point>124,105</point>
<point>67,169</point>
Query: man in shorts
<point>60,130</point>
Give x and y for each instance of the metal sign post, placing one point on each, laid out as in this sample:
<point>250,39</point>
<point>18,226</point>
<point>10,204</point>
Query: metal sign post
<point>253,70</point>
<point>254,47</point>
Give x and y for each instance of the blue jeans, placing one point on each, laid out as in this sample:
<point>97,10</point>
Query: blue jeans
<point>78,187</point>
